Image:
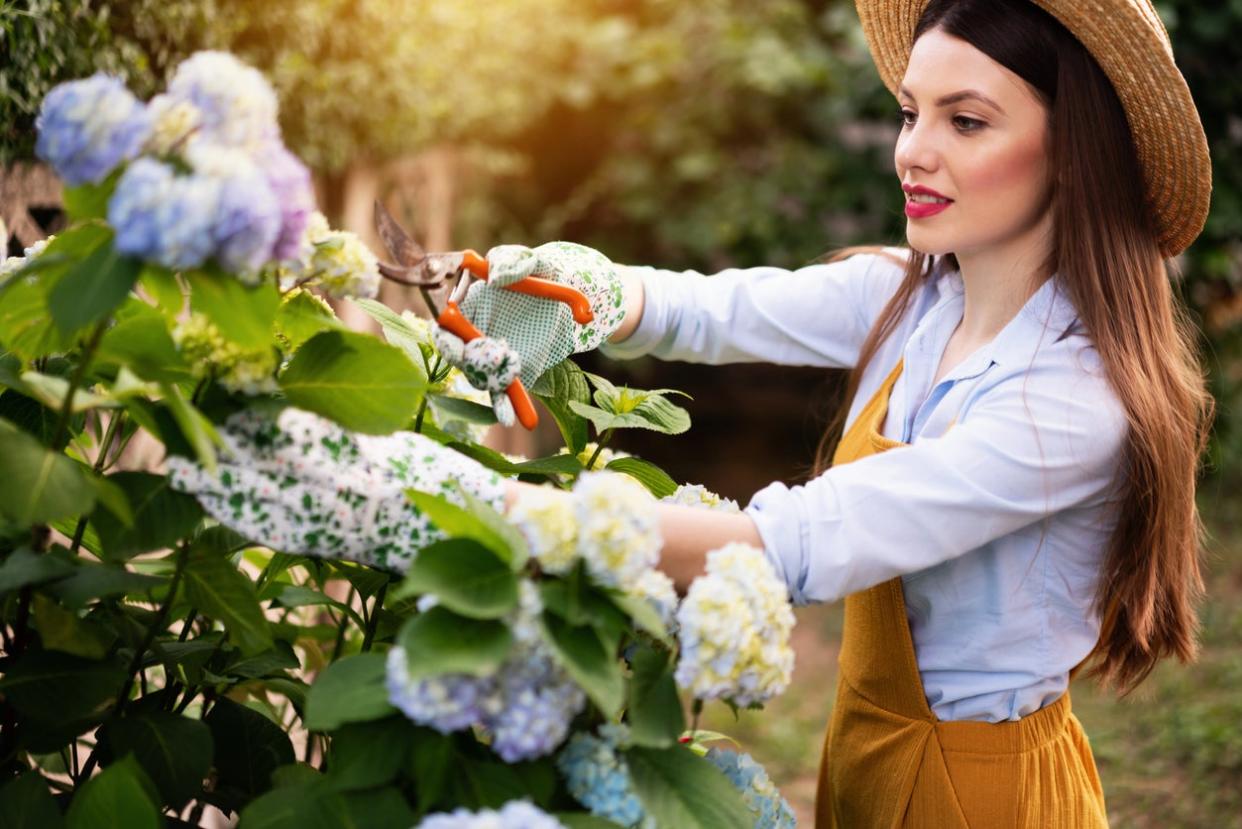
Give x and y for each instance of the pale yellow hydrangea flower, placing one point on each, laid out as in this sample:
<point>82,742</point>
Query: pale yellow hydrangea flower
<point>545,517</point>
<point>619,532</point>
<point>238,370</point>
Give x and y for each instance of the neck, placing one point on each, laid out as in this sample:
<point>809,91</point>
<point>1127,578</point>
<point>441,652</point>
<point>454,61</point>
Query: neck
<point>999,280</point>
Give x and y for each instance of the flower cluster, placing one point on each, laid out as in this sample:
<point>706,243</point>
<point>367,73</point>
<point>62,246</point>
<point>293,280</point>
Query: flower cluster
<point>516,814</point>
<point>526,704</point>
<point>13,264</point>
<point>735,624</point>
<point>237,369</point>
<point>207,175</point>
<point>597,776</point>
<point>606,456</point>
<point>87,127</point>
<point>655,587</point>
<point>697,495</point>
<point>339,263</point>
<point>618,531</point>
<point>771,811</point>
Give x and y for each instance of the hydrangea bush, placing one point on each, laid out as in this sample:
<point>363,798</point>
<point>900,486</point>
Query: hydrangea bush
<point>531,669</point>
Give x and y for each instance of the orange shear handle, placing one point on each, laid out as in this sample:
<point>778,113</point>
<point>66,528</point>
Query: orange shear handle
<point>451,319</point>
<point>578,304</point>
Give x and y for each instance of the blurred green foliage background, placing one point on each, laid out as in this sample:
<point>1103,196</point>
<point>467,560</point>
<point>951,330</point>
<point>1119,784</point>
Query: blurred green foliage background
<point>685,135</point>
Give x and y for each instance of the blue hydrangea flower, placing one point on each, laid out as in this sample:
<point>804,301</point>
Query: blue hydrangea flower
<point>235,103</point>
<point>539,701</point>
<point>447,703</point>
<point>295,195</point>
<point>516,814</point>
<point>87,127</point>
<point>164,217</point>
<point>247,220</point>
<point>598,777</point>
<point>771,811</point>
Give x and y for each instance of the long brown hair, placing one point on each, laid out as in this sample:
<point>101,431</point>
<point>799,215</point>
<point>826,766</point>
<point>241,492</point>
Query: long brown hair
<point>1105,249</point>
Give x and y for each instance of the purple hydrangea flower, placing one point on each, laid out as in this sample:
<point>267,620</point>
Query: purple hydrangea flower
<point>597,776</point>
<point>163,217</point>
<point>447,703</point>
<point>87,127</point>
<point>291,183</point>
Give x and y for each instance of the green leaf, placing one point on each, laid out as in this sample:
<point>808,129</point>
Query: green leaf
<point>89,201</point>
<point>60,629</point>
<point>467,577</point>
<point>642,612</point>
<point>140,341</point>
<point>656,480</point>
<point>194,426</point>
<point>588,661</point>
<point>112,498</point>
<point>98,581</point>
<point>303,316</point>
<point>653,707</point>
<point>455,408</point>
<point>247,748</point>
<point>369,754</point>
<point>458,522</point>
<point>173,750</point>
<point>36,484</point>
<point>397,329</point>
<point>26,803</point>
<point>25,567</point>
<point>431,763</point>
<point>349,690</point>
<point>281,657</point>
<point>556,388</point>
<point>243,314</point>
<point>117,796</point>
<point>297,807</point>
<point>485,783</point>
<point>356,380</point>
<point>161,516</point>
<point>61,692</point>
<point>221,591</point>
<point>655,413</point>
<point>679,788</point>
<point>441,642</point>
<point>299,595</point>
<point>51,391</point>
<point>92,288</point>
<point>161,285</point>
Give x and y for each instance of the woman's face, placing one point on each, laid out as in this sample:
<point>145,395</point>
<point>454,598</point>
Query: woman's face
<point>988,156</point>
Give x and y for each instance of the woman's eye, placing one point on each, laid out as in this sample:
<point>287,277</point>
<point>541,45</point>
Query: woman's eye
<point>963,123</point>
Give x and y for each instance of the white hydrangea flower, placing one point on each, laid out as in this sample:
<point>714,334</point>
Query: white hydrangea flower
<point>619,531</point>
<point>606,455</point>
<point>13,264</point>
<point>344,266</point>
<point>547,519</point>
<point>735,624</point>
<point>236,104</point>
<point>697,495</point>
<point>173,120</point>
<point>655,587</point>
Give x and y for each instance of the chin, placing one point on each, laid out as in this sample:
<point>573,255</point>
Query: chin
<point>927,243</point>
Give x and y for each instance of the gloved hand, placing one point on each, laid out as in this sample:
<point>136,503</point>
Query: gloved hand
<point>527,335</point>
<point>300,483</point>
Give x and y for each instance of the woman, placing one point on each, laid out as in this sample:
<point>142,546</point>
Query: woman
<point>1029,365</point>
<point>1011,495</point>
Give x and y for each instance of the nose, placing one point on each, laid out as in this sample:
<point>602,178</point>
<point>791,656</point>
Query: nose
<point>916,148</point>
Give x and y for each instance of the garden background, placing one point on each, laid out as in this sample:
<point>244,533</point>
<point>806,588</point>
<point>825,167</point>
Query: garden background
<point>684,135</point>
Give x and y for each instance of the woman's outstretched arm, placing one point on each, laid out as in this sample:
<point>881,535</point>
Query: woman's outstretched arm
<point>689,533</point>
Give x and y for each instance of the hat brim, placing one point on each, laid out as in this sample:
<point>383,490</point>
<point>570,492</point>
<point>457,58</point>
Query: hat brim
<point>1128,40</point>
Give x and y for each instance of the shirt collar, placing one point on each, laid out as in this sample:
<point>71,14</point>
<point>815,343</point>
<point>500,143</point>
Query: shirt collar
<point>1047,314</point>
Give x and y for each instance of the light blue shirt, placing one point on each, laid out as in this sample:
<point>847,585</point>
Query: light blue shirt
<point>997,527</point>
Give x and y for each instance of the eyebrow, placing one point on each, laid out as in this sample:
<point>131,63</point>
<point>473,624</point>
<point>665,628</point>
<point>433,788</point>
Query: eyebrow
<point>965,94</point>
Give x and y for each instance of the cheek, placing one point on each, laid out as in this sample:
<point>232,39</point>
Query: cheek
<point>1010,172</point>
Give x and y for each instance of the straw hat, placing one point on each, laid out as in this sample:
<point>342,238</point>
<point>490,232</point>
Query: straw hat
<point>1131,45</point>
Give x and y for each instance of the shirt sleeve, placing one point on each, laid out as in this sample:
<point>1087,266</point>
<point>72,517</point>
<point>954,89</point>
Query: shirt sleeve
<point>1036,443</point>
<point>813,316</point>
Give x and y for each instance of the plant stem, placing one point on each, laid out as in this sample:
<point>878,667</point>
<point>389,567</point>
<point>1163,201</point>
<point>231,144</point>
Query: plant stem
<point>599,447</point>
<point>135,664</point>
<point>104,446</point>
<point>340,628</point>
<point>61,435</point>
<point>373,622</point>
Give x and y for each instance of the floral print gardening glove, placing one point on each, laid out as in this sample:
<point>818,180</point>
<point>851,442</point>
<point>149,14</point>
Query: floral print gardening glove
<point>299,483</point>
<point>524,336</point>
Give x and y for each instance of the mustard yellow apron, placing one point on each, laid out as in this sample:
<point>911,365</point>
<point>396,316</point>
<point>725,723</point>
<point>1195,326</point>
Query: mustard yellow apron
<point>889,762</point>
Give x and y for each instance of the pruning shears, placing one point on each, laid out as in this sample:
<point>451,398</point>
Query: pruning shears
<point>430,270</point>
